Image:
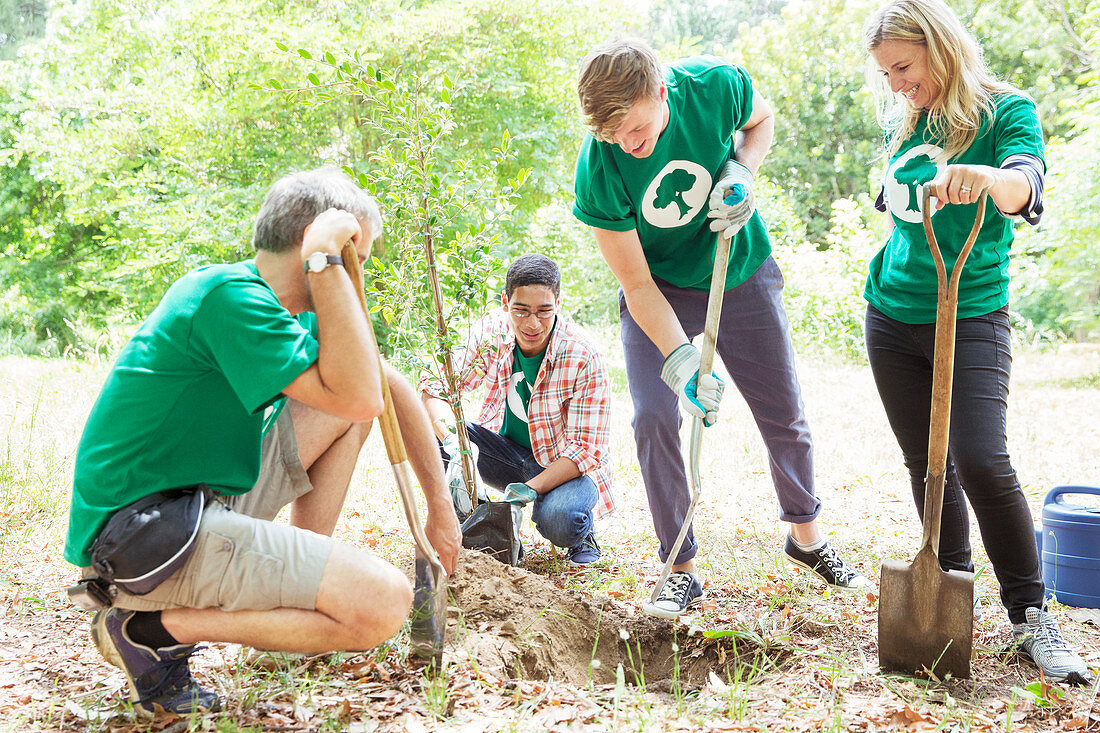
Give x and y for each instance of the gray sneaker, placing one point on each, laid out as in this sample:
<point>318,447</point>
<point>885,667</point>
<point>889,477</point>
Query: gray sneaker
<point>159,679</point>
<point>1040,638</point>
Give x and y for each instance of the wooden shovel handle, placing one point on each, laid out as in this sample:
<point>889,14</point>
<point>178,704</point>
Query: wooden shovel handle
<point>391,430</point>
<point>714,304</point>
<point>943,366</point>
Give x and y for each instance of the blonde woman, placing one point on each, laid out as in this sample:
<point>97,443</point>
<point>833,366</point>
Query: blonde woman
<point>949,123</point>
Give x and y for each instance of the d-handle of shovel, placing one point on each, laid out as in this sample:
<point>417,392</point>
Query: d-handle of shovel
<point>943,366</point>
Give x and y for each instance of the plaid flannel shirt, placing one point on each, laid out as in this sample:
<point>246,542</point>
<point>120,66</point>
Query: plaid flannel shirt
<point>570,409</point>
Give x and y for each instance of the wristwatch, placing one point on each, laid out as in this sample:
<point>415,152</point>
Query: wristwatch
<point>318,261</point>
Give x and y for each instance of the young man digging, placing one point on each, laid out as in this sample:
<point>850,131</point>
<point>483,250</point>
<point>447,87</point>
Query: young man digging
<point>666,141</point>
<point>544,427</point>
<point>278,342</point>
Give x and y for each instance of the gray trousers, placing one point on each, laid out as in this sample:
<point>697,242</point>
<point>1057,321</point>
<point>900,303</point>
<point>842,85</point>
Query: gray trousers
<point>754,343</point>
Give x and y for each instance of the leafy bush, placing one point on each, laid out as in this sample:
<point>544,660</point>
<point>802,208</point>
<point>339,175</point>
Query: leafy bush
<point>824,286</point>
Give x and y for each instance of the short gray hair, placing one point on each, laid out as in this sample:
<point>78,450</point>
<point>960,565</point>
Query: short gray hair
<point>295,200</point>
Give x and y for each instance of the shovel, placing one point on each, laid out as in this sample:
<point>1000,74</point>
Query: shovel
<point>926,615</point>
<point>706,365</point>
<point>429,610</point>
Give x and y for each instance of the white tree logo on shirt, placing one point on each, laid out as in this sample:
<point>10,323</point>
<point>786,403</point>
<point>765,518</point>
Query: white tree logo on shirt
<point>904,177</point>
<point>676,194</point>
<point>515,402</point>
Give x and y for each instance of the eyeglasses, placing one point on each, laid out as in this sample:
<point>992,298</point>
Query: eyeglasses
<point>522,314</point>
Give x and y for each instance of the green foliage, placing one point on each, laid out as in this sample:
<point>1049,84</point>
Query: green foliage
<point>20,20</point>
<point>824,287</point>
<point>1049,71</point>
<point>139,152</point>
<point>709,25</point>
<point>135,144</point>
<point>1055,267</point>
<point>808,64</point>
<point>589,290</point>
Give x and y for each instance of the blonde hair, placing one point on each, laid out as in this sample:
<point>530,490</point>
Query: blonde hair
<point>955,63</point>
<point>612,78</point>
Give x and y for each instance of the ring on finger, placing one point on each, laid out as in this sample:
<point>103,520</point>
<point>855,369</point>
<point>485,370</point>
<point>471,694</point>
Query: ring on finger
<point>964,189</point>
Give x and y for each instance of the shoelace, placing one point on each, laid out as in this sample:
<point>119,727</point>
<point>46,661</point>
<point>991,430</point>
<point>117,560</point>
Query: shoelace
<point>676,589</point>
<point>1048,627</point>
<point>175,675</point>
<point>835,563</point>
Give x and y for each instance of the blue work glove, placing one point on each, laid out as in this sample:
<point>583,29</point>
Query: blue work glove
<point>731,200</point>
<point>699,396</point>
<point>519,494</point>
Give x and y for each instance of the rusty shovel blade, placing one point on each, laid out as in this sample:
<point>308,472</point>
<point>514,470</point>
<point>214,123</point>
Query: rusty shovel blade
<point>926,617</point>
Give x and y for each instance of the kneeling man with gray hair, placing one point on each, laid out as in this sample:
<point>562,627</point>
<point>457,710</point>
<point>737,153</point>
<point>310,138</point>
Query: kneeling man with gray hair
<point>250,387</point>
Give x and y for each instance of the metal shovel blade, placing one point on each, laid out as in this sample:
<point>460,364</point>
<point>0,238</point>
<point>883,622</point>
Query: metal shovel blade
<point>926,617</point>
<point>429,613</point>
<point>428,617</point>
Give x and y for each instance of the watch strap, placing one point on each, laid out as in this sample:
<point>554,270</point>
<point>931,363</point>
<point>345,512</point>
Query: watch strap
<point>330,259</point>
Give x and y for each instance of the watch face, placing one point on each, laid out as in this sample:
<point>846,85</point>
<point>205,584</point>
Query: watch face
<point>316,261</point>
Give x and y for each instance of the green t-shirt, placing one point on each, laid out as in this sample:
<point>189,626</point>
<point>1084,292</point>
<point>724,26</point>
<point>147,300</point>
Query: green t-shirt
<point>902,279</point>
<point>665,195</point>
<point>525,370</point>
<point>185,402</point>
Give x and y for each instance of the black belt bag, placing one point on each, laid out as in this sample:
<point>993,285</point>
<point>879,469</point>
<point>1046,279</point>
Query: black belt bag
<point>145,542</point>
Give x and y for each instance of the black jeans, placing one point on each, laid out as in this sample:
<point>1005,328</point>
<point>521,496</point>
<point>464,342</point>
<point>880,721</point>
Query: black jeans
<point>977,458</point>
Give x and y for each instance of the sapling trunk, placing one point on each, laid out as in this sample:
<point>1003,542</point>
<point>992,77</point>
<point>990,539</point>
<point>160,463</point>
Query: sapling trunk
<point>453,396</point>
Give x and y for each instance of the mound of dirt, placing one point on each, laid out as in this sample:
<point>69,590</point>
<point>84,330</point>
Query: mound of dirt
<point>520,625</point>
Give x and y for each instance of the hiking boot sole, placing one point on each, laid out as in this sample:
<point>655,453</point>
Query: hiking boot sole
<point>106,647</point>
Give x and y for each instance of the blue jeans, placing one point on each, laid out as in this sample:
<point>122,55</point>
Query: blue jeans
<point>562,515</point>
<point>755,345</point>
<point>978,465</point>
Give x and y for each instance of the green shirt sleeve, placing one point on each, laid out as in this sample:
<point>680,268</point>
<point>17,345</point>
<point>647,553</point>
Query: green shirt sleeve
<point>741,93</point>
<point>601,199</point>
<point>1016,129</point>
<point>240,328</point>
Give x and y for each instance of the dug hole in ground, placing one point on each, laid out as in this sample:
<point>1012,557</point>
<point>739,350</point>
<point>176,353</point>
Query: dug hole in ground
<point>519,624</point>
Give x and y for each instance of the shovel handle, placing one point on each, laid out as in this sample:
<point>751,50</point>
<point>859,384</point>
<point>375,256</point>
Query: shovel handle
<point>391,429</point>
<point>706,366</point>
<point>943,365</point>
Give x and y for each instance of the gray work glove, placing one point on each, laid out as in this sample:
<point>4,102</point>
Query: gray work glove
<point>699,396</point>
<point>731,201</point>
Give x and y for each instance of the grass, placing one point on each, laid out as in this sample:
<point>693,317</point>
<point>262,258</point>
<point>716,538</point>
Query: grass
<point>812,659</point>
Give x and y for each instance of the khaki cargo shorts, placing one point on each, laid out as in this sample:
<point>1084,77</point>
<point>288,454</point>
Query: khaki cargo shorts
<point>242,560</point>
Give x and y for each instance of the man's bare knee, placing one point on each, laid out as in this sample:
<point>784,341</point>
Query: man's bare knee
<point>366,595</point>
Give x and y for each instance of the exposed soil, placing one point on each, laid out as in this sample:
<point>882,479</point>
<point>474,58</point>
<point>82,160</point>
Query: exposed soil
<point>521,625</point>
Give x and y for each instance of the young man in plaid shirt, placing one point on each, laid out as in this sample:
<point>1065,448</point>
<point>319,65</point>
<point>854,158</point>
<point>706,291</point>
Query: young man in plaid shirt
<point>543,432</point>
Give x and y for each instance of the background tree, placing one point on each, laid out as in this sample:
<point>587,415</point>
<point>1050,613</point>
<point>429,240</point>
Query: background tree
<point>20,20</point>
<point>132,147</point>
